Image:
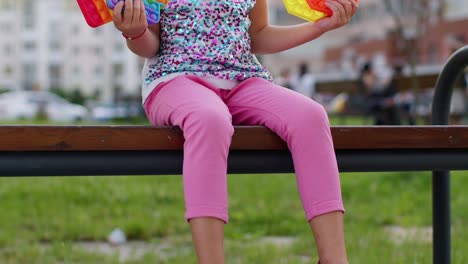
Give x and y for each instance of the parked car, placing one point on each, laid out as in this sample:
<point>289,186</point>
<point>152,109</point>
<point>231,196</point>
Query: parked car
<point>104,112</point>
<point>108,112</point>
<point>27,105</point>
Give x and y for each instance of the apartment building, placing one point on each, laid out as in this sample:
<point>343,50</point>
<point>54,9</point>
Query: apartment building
<point>10,73</point>
<point>456,10</point>
<point>47,44</point>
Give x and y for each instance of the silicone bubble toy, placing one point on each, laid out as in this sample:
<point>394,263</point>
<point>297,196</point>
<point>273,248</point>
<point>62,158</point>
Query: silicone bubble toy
<point>152,8</point>
<point>96,12</point>
<point>99,12</point>
<point>311,10</point>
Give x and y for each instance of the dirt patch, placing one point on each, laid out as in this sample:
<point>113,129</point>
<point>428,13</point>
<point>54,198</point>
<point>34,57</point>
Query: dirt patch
<point>400,234</point>
<point>278,241</point>
<point>132,250</point>
<point>136,250</point>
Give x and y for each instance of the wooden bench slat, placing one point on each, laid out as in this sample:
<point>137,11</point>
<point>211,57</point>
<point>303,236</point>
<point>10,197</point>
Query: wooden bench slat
<point>115,138</point>
<point>401,137</point>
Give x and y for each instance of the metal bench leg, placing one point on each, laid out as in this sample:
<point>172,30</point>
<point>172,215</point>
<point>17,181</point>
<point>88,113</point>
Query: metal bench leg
<point>441,217</point>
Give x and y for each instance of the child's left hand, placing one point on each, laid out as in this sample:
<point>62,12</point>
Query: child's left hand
<point>343,11</point>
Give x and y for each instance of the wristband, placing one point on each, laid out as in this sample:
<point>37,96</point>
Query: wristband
<point>135,37</point>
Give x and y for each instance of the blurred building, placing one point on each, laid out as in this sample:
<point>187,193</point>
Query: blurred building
<point>371,36</point>
<point>47,44</point>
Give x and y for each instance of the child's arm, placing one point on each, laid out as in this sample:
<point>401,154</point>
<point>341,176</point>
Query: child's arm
<point>133,25</point>
<point>271,39</point>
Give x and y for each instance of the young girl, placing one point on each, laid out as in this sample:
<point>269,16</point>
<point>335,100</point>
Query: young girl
<point>200,75</point>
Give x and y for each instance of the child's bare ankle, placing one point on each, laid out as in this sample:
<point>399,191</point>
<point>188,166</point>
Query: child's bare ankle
<point>333,261</point>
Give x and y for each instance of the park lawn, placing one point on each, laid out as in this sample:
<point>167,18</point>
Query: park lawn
<point>43,219</point>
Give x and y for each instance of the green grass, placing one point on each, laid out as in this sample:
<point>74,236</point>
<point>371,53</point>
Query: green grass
<point>42,218</point>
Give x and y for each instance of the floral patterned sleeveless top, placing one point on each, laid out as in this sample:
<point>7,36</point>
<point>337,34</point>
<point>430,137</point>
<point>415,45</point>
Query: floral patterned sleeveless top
<point>204,38</point>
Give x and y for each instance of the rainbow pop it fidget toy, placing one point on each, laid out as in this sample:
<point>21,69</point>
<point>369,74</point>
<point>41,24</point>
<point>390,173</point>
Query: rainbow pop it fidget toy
<point>99,12</point>
<point>152,8</point>
<point>96,12</point>
<point>311,10</point>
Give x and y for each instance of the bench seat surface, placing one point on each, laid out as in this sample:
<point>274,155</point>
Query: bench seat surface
<point>129,138</point>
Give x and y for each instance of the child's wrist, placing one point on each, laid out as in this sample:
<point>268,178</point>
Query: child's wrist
<point>317,28</point>
<point>127,37</point>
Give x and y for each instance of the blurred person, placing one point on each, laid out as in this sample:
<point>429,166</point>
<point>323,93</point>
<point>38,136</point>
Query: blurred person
<point>390,107</point>
<point>284,78</point>
<point>204,79</point>
<point>371,97</point>
<point>380,100</point>
<point>405,103</point>
<point>304,82</point>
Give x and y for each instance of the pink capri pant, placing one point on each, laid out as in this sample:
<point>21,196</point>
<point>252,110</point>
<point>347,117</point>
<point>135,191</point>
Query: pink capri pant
<point>206,115</point>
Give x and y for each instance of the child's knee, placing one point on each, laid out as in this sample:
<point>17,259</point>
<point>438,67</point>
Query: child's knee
<point>311,114</point>
<point>211,122</point>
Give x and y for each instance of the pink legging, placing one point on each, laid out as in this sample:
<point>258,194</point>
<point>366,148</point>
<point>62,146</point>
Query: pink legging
<point>206,116</point>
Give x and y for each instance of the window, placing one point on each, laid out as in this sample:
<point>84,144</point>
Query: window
<point>7,50</point>
<point>29,73</point>
<point>55,72</point>
<point>54,46</point>
<point>55,29</point>
<point>6,5</point>
<point>29,14</point>
<point>118,91</point>
<point>30,46</point>
<point>97,50</point>
<point>118,69</point>
<point>5,28</point>
<point>76,50</point>
<point>8,71</point>
<point>119,47</point>
<point>76,71</point>
<point>75,30</point>
<point>97,93</point>
<point>98,71</point>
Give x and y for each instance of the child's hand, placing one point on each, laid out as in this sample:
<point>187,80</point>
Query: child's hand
<point>131,21</point>
<point>343,11</point>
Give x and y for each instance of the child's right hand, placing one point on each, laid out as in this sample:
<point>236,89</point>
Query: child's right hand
<point>343,11</point>
<point>131,21</point>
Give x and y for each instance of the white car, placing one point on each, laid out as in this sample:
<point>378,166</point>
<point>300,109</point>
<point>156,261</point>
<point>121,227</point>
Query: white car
<point>27,104</point>
<point>108,112</point>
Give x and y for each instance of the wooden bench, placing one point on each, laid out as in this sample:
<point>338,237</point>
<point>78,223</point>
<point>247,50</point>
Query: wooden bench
<point>138,150</point>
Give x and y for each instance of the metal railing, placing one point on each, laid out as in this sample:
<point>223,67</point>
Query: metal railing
<point>441,179</point>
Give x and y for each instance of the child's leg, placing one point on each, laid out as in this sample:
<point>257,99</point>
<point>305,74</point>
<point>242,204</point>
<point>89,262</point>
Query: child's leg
<point>304,125</point>
<point>207,127</point>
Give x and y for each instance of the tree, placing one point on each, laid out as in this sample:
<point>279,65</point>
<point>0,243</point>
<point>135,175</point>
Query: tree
<point>412,19</point>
